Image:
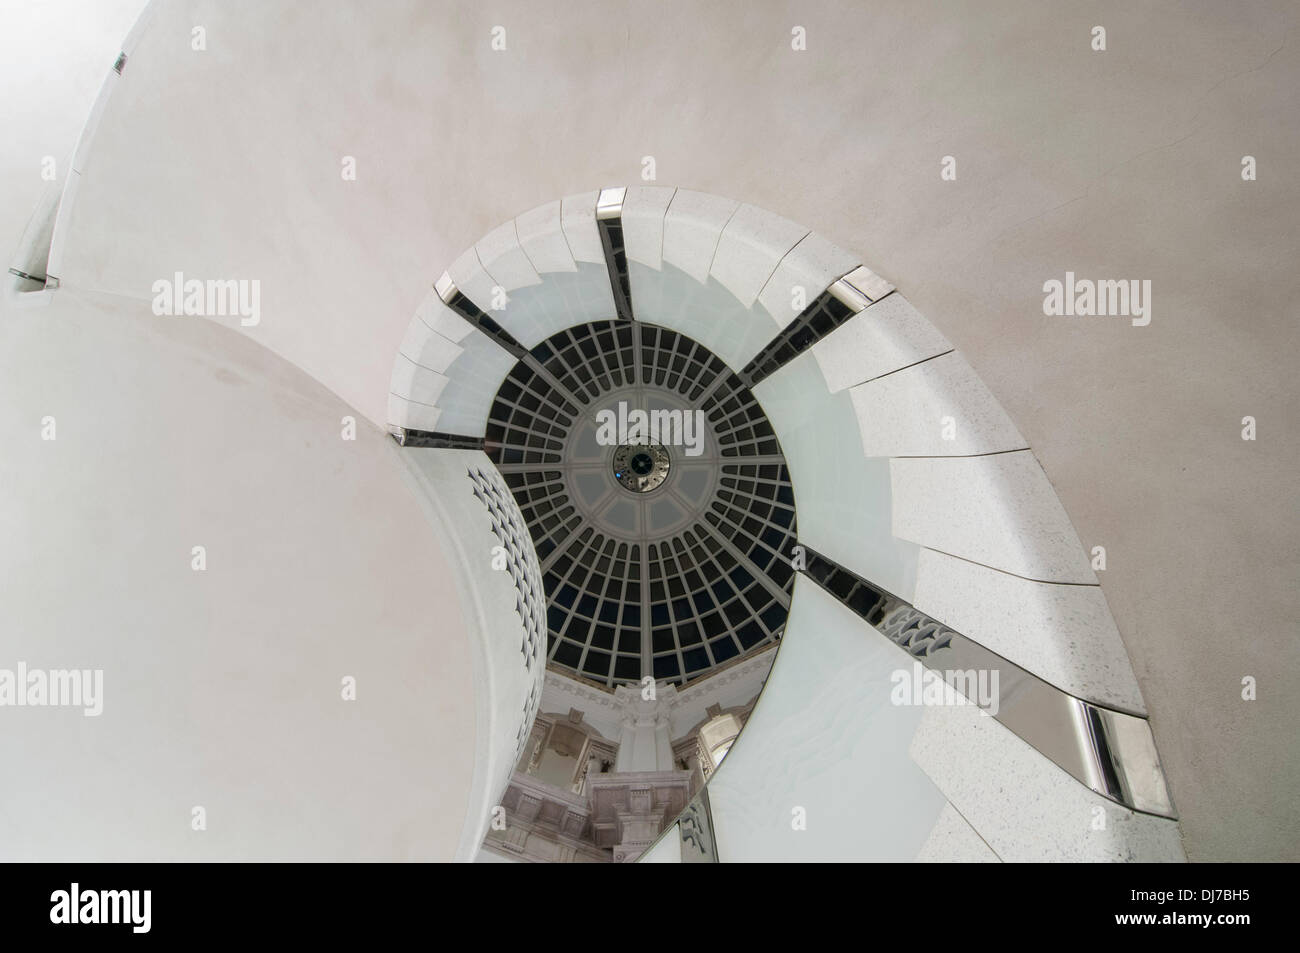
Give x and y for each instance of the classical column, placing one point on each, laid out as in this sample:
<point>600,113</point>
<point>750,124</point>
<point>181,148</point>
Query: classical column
<point>644,744</point>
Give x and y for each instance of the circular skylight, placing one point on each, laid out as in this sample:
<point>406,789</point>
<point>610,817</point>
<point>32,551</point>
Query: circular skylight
<point>641,467</point>
<point>657,498</point>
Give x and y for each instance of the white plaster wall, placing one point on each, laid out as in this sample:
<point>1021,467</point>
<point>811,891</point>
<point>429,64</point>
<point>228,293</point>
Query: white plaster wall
<point>843,761</point>
<point>1125,164</point>
<point>54,58</point>
<point>508,672</point>
<point>222,688</point>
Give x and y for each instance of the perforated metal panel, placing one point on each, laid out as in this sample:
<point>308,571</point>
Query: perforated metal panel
<point>507,526</point>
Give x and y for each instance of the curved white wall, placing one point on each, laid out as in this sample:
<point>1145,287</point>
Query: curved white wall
<point>906,471</point>
<point>55,59</point>
<point>1126,164</point>
<point>481,528</point>
<point>824,741</point>
<point>223,688</point>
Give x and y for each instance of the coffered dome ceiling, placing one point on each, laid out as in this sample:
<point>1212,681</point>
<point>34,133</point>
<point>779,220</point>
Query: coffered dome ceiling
<point>661,552</point>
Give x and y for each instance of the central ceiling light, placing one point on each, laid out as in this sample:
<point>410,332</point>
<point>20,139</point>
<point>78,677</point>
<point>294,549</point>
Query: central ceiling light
<point>641,467</point>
